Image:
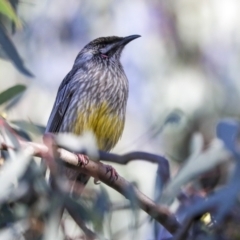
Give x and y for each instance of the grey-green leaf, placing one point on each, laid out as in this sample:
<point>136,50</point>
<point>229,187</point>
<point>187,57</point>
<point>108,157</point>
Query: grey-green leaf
<point>11,93</point>
<point>29,126</point>
<point>10,50</point>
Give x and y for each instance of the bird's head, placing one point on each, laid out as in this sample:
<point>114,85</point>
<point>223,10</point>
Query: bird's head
<point>104,49</point>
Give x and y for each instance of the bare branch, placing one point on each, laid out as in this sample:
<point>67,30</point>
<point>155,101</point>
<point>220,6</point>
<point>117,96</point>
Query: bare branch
<point>98,171</point>
<point>126,158</point>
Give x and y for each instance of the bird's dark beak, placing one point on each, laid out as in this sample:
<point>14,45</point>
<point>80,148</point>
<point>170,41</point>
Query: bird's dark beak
<point>128,39</point>
<point>121,43</point>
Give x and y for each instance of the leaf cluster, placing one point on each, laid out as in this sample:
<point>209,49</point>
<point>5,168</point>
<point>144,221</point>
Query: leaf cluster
<point>8,14</point>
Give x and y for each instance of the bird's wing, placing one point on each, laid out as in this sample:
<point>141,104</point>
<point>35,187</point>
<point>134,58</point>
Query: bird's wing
<point>63,99</point>
<point>61,104</point>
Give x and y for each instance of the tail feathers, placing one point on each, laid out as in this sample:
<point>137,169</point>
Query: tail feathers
<point>76,181</point>
<point>79,184</point>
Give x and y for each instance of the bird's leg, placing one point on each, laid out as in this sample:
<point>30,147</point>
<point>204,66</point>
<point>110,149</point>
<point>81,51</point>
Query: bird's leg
<point>83,160</point>
<point>96,181</point>
<point>113,173</point>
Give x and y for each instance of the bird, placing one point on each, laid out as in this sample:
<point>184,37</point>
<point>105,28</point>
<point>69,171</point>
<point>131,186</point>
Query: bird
<point>93,97</point>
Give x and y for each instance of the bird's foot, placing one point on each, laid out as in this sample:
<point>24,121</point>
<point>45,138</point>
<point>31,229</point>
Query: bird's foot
<point>83,160</point>
<point>113,173</point>
<point>96,181</point>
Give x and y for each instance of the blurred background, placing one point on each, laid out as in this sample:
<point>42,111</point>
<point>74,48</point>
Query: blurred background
<point>183,72</point>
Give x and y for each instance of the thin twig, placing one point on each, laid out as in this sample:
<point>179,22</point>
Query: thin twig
<point>126,158</point>
<point>183,231</point>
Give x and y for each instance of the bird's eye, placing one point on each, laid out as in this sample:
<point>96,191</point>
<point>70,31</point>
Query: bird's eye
<point>104,56</point>
<point>103,53</point>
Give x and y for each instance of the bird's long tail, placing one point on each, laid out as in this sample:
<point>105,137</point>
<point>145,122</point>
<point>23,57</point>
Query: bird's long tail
<point>76,181</point>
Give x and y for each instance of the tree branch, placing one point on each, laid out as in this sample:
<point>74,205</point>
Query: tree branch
<point>126,158</point>
<point>98,171</point>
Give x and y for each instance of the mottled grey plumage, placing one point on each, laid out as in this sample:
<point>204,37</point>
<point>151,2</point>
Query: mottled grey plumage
<point>93,95</point>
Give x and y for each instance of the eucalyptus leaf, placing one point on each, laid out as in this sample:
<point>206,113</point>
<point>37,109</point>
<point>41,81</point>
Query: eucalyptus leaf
<point>13,102</point>
<point>8,47</point>
<point>6,215</point>
<point>14,231</point>
<point>23,134</point>
<point>3,55</point>
<point>174,117</point>
<point>13,170</point>
<point>11,93</point>
<point>77,210</point>
<point>14,4</point>
<point>10,140</point>
<point>134,206</point>
<point>30,127</point>
<point>206,160</point>
<point>7,9</point>
<point>101,208</point>
<point>228,131</point>
<point>51,231</point>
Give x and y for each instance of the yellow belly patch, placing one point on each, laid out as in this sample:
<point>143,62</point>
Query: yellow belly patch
<point>106,126</point>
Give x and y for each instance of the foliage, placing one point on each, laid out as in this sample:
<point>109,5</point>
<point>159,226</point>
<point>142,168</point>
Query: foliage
<point>32,198</point>
<point>7,9</point>
<point>7,48</point>
<point>11,93</point>
<point>29,207</point>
